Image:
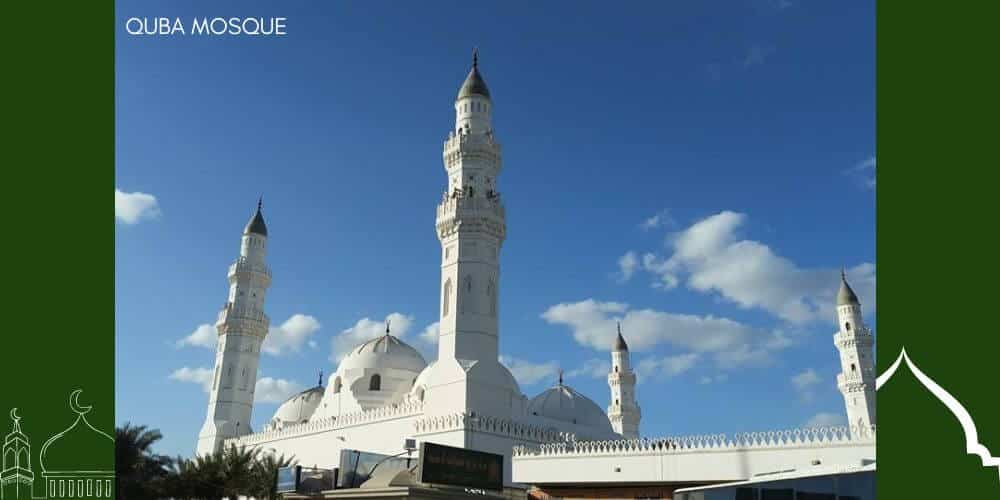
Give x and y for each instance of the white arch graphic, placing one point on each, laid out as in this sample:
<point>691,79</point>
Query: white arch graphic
<point>972,444</point>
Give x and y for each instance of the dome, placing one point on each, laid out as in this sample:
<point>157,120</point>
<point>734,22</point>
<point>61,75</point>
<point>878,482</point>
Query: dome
<point>846,296</point>
<point>384,352</point>
<point>299,407</point>
<point>474,83</point>
<point>61,453</point>
<point>256,224</point>
<point>564,403</point>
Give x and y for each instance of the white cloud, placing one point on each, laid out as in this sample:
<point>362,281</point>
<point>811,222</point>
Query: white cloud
<point>731,343</point>
<point>130,208</point>
<point>201,376</point>
<point>267,390</point>
<point>669,366</point>
<point>593,368</point>
<point>805,383</point>
<point>710,258</point>
<point>528,373</point>
<point>627,266</point>
<point>274,390</point>
<point>865,172</point>
<point>291,335</point>
<point>366,329</point>
<point>660,219</point>
<point>826,420</point>
<point>430,334</point>
<point>710,379</point>
<point>202,336</point>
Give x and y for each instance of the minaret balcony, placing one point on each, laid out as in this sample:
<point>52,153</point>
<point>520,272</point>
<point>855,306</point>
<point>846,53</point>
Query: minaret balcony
<point>243,267</point>
<point>861,338</point>
<point>471,207</point>
<point>234,317</point>
<point>855,380</point>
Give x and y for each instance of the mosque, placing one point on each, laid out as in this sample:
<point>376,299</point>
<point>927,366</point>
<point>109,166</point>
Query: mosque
<point>384,391</point>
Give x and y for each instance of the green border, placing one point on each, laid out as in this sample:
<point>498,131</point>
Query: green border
<point>937,88</point>
<point>58,150</point>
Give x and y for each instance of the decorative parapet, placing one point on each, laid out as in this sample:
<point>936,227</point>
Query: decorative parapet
<point>794,438</point>
<point>390,412</point>
<point>493,425</point>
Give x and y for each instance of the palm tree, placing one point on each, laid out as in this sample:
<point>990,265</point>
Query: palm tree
<point>139,471</point>
<point>265,474</point>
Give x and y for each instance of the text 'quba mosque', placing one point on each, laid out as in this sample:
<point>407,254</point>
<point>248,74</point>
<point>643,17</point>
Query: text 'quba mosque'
<point>384,391</point>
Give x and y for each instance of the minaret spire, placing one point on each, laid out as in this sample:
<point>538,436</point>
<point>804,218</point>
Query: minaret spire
<point>475,57</point>
<point>241,327</point>
<point>623,410</point>
<point>855,343</point>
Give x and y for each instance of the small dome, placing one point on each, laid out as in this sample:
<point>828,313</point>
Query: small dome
<point>61,453</point>
<point>384,352</point>
<point>564,403</point>
<point>300,407</point>
<point>474,83</point>
<point>846,295</point>
<point>256,224</point>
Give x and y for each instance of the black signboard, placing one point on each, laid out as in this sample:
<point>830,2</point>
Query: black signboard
<point>447,465</point>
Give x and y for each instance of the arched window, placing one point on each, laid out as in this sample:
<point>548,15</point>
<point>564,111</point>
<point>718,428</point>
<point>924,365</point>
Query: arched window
<point>491,296</point>
<point>847,326</point>
<point>446,298</point>
<point>853,368</point>
<point>336,385</point>
<point>420,394</point>
<point>616,369</point>
<point>376,383</point>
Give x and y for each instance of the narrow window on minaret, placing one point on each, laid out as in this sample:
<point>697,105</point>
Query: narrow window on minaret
<point>376,383</point>
<point>853,368</point>
<point>447,298</point>
<point>847,326</point>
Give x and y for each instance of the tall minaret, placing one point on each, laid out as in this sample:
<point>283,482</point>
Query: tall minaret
<point>854,341</point>
<point>471,227</point>
<point>242,326</point>
<point>623,410</point>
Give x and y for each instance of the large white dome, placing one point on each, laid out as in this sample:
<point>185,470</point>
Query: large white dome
<point>376,373</point>
<point>383,352</point>
<point>298,408</point>
<point>565,404</point>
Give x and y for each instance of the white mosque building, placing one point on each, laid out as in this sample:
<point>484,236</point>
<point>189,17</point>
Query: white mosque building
<point>384,391</point>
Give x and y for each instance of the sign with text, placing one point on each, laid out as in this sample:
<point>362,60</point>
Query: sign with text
<point>447,465</point>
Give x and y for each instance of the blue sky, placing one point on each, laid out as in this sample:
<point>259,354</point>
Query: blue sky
<point>699,171</point>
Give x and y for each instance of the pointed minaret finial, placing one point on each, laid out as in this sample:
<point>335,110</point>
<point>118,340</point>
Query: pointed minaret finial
<point>560,376</point>
<point>320,383</point>
<point>387,323</point>
<point>843,273</point>
<point>619,328</point>
<point>475,57</point>
<point>260,202</point>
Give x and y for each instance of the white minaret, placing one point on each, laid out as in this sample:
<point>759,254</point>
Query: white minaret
<point>242,326</point>
<point>623,410</point>
<point>471,227</point>
<point>854,341</point>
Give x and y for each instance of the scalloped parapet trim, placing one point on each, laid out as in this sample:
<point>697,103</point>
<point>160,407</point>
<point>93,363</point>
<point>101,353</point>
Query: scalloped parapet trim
<point>972,444</point>
<point>390,412</point>
<point>792,438</point>
<point>493,425</point>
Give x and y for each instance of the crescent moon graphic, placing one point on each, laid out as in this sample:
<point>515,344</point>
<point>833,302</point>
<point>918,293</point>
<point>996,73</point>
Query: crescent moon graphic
<point>74,403</point>
<point>13,414</point>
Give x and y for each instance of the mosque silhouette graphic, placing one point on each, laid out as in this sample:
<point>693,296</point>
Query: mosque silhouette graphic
<point>64,475</point>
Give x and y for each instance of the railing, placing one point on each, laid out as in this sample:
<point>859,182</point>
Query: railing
<point>243,265</point>
<point>489,205</point>
<point>331,423</point>
<point>794,438</point>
